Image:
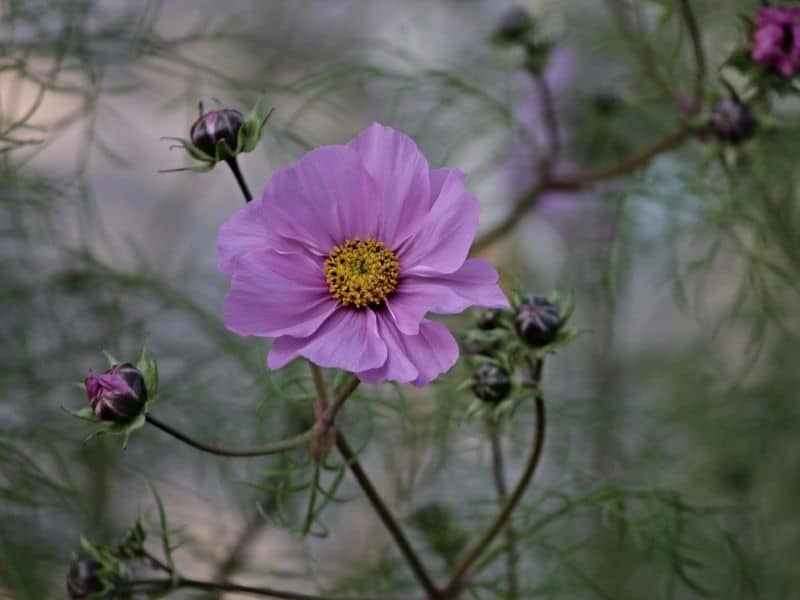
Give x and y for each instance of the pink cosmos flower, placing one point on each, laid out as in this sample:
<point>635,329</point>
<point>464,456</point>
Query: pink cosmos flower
<point>776,39</point>
<point>346,252</point>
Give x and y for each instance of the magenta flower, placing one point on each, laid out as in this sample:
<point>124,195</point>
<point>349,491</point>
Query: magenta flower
<point>776,39</point>
<point>346,252</point>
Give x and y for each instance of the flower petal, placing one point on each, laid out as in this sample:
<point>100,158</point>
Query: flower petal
<point>474,284</point>
<point>442,242</point>
<point>348,340</point>
<point>277,294</point>
<point>403,176</point>
<point>417,359</point>
<point>246,230</point>
<point>325,199</point>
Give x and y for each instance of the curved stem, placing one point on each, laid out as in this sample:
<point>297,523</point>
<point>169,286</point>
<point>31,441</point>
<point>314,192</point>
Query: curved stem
<point>498,470</point>
<point>530,198</point>
<point>374,497</point>
<point>317,430</point>
<point>386,516</point>
<point>237,173</point>
<point>501,520</point>
<point>699,55</point>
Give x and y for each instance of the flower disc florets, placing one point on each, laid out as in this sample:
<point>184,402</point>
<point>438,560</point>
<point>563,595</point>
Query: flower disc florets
<point>361,273</point>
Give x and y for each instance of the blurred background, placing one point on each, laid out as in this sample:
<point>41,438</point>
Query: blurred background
<point>672,458</point>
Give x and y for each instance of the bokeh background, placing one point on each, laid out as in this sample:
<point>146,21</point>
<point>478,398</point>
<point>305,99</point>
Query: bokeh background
<point>672,457</point>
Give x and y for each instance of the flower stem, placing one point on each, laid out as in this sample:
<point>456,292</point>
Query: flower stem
<point>317,430</point>
<point>501,520</point>
<point>699,55</point>
<point>375,499</point>
<point>498,470</point>
<point>237,173</point>
<point>386,516</point>
<point>163,585</point>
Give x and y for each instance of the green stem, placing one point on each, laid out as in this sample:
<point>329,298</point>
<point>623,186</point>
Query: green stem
<point>316,431</point>
<point>237,173</point>
<point>386,517</point>
<point>498,470</point>
<point>375,499</point>
<point>501,520</point>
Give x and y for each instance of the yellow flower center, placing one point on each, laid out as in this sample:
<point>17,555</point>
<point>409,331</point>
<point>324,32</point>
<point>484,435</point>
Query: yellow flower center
<point>361,273</point>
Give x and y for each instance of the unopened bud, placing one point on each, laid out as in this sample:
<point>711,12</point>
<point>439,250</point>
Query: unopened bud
<point>83,579</point>
<point>491,383</point>
<point>118,395</point>
<point>513,25</point>
<point>218,129</point>
<point>537,321</point>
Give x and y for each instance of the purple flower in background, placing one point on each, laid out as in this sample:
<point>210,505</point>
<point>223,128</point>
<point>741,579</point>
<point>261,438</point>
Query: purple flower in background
<point>117,395</point>
<point>776,39</point>
<point>346,252</point>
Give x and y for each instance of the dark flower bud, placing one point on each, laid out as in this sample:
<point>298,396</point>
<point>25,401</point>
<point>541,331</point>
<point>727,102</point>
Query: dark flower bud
<point>489,319</point>
<point>482,347</point>
<point>537,321</point>
<point>83,578</point>
<point>118,395</point>
<point>732,120</point>
<point>218,126</point>
<point>491,383</point>
<point>513,25</point>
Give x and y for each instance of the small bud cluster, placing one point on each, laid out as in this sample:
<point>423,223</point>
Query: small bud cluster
<point>502,339</point>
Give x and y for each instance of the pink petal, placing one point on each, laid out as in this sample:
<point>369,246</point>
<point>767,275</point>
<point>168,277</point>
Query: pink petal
<point>325,199</point>
<point>398,365</point>
<point>276,294</point>
<point>348,340</point>
<point>402,174</point>
<point>246,230</point>
<point>442,242</point>
<point>474,284</point>
<point>417,359</point>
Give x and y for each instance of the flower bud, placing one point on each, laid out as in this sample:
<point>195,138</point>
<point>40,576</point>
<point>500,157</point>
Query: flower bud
<point>118,395</point>
<point>218,126</point>
<point>732,120</point>
<point>537,321</point>
<point>489,319</point>
<point>776,39</point>
<point>491,383</point>
<point>83,578</point>
<point>482,347</point>
<point>513,25</point>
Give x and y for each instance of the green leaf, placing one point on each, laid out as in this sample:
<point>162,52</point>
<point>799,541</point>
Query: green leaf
<point>149,369</point>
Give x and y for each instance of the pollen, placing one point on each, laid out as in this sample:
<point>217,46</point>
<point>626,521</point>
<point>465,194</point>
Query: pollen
<point>361,273</point>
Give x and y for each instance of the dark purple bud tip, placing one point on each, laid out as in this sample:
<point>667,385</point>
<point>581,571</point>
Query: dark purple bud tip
<point>491,383</point>
<point>732,120</point>
<point>118,395</point>
<point>537,321</point>
<point>513,25</point>
<point>216,126</point>
<point>489,319</point>
<point>83,578</point>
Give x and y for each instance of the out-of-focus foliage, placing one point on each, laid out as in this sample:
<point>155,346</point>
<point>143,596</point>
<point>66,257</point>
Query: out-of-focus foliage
<point>672,454</point>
